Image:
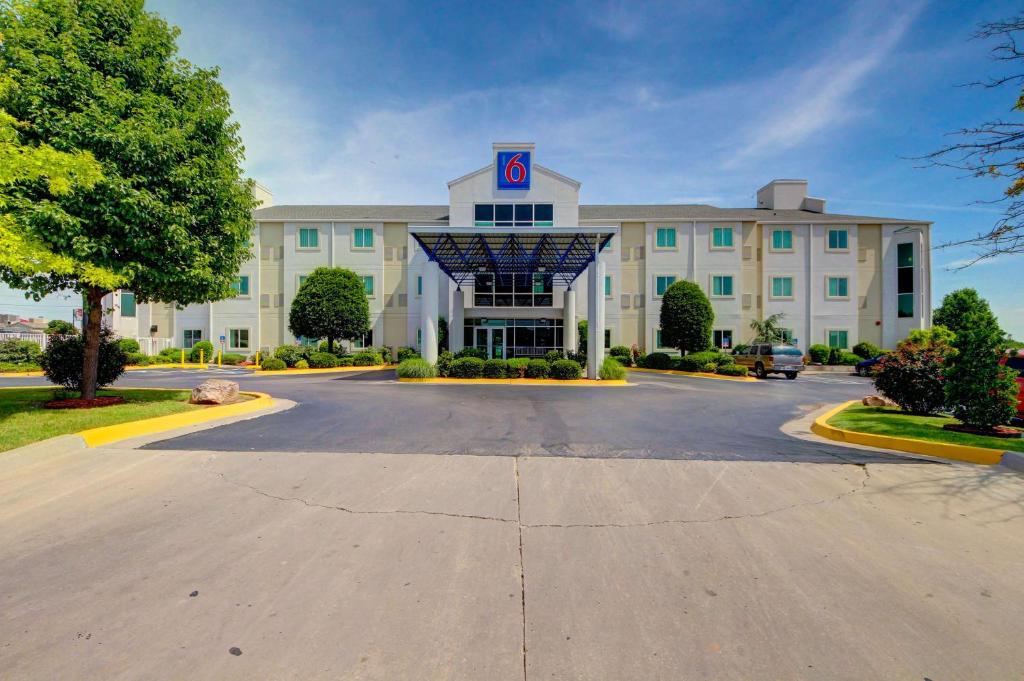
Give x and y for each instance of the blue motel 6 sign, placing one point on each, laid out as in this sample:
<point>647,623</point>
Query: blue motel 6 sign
<point>513,170</point>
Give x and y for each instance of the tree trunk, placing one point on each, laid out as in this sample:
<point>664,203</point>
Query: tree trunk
<point>91,356</point>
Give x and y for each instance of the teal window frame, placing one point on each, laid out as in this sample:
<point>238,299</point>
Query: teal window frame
<point>782,240</point>
<point>718,337</point>
<point>235,338</point>
<point>241,285</point>
<point>721,285</point>
<point>662,282</point>
<point>782,287</point>
<point>838,338</point>
<point>368,285</point>
<point>127,304</point>
<point>419,285</point>
<point>838,287</point>
<point>905,284</point>
<point>722,237</point>
<point>189,338</point>
<point>309,237</point>
<point>657,339</point>
<point>362,237</point>
<point>665,237</point>
<point>607,286</point>
<point>838,239</point>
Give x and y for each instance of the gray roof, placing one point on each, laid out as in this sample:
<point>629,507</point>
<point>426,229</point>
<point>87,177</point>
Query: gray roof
<point>588,213</point>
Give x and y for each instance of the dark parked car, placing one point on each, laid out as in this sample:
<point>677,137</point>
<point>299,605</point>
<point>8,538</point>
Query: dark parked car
<point>865,367</point>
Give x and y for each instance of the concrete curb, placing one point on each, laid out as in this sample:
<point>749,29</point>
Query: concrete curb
<point>1014,461</point>
<point>693,374</point>
<point>942,450</point>
<point>582,382</point>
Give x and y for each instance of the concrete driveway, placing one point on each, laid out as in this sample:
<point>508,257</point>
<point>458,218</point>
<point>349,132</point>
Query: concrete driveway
<point>215,564</point>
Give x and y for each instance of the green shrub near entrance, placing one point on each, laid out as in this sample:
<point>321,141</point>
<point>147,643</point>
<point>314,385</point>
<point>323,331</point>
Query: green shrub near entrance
<point>232,359</point>
<point>690,363</point>
<point>611,370</point>
<point>517,367</point>
<point>415,367</point>
<point>479,353</point>
<point>137,359</point>
<point>173,353</point>
<point>658,360</point>
<point>444,364</point>
<point>366,359</point>
<point>552,356</point>
<point>866,350</point>
<point>273,364</point>
<point>495,368</point>
<point>819,353</point>
<point>128,345</point>
<point>161,359</point>
<point>467,367</point>
<point>62,361</point>
<point>732,370</point>
<point>719,358</point>
<point>289,354</point>
<point>538,368</point>
<point>405,352</point>
<point>302,364</point>
<point>620,352</point>
<point>321,360</point>
<point>566,370</point>
<point>912,377</point>
<point>345,361</point>
<point>207,349</point>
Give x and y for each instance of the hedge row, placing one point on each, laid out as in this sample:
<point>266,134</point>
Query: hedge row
<point>449,366</point>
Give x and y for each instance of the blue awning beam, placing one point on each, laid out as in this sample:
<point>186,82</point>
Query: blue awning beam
<point>562,253</point>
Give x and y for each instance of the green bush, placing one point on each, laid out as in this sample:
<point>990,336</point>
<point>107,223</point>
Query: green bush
<point>467,367</point>
<point>207,349</point>
<point>612,370</point>
<point>866,350</point>
<point>62,361</point>
<point>566,370</point>
<point>128,346</point>
<point>17,368</point>
<point>517,367</point>
<point>912,377</point>
<point>302,364</point>
<point>658,360</point>
<point>740,349</point>
<point>366,359</point>
<point>979,391</point>
<point>19,352</point>
<point>160,359</point>
<point>273,364</point>
<point>479,353</point>
<point>580,356</point>
<point>173,353</point>
<point>552,356</point>
<point>232,359</point>
<point>136,359</point>
<point>289,354</point>
<point>686,317</point>
<point>345,361</point>
<point>732,370</point>
<point>618,351</point>
<point>819,353</point>
<point>385,352</point>
<point>322,360</point>
<point>538,368</point>
<point>444,364</point>
<point>414,367</point>
<point>710,368</point>
<point>845,358</point>
<point>690,363</point>
<point>719,358</point>
<point>495,368</point>
<point>405,352</point>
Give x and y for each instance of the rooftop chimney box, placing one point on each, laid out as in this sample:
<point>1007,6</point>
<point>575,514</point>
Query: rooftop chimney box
<point>788,195</point>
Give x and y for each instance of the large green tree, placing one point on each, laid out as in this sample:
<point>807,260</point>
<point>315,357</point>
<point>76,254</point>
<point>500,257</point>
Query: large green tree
<point>331,303</point>
<point>979,391</point>
<point>686,318</point>
<point>170,220</point>
<point>957,309</point>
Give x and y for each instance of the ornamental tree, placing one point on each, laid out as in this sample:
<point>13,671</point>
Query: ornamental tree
<point>331,303</point>
<point>957,307</point>
<point>911,376</point>
<point>60,327</point>
<point>979,391</point>
<point>170,218</point>
<point>686,318</point>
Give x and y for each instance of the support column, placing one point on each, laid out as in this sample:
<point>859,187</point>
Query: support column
<point>595,317</point>
<point>570,335</point>
<point>428,311</point>
<point>457,324</point>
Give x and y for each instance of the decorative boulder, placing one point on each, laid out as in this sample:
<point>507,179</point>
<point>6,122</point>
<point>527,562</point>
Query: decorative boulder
<point>877,401</point>
<point>214,391</point>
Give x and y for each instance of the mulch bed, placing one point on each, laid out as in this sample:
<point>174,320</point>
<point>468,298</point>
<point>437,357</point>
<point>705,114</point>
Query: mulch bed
<point>80,403</point>
<point>997,431</point>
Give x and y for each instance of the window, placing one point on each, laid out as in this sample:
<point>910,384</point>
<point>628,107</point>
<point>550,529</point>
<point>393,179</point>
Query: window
<point>513,291</point>
<point>722,338</point>
<point>607,338</point>
<point>782,287</point>
<point>661,284</point>
<point>665,237</point>
<point>721,286</point>
<point>838,339</point>
<point>364,342</point>
<point>782,240</point>
<point>309,237</point>
<point>513,214</point>
<point>787,335</point>
<point>238,339</point>
<point>307,342</point>
<point>607,287</point>
<point>362,237</point>
<point>127,304</point>
<point>302,279</point>
<point>721,237</point>
<point>191,337</point>
<point>419,286</point>
<point>657,339</point>
<point>838,240</point>
<point>368,285</point>
<point>241,285</point>
<point>419,338</point>
<point>905,280</point>
<point>838,287</point>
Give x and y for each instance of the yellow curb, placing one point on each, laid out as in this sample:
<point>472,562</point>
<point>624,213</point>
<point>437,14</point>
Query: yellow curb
<point>694,374</point>
<point>518,381</point>
<point>19,374</point>
<point>301,372</point>
<point>943,450</point>
<point>174,365</point>
<point>104,435</point>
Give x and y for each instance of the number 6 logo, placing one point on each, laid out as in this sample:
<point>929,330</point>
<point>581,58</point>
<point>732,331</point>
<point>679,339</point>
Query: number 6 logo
<point>513,170</point>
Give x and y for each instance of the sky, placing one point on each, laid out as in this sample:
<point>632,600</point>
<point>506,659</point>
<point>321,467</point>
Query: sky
<point>642,102</point>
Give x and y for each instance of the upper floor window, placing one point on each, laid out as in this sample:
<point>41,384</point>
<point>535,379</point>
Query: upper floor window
<point>905,280</point>
<point>127,304</point>
<point>362,237</point>
<point>782,240</point>
<point>838,287</point>
<point>721,237</point>
<point>241,285</point>
<point>661,284</point>
<point>516,291</point>
<point>368,285</point>
<point>665,237</point>
<point>607,286</point>
<point>721,286</point>
<point>838,239</point>
<point>419,286</point>
<point>782,287</point>
<point>309,237</point>
<point>514,215</point>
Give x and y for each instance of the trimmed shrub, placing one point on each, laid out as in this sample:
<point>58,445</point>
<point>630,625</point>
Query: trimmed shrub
<point>19,352</point>
<point>414,367</point>
<point>366,359</point>
<point>467,367</point>
<point>552,356</point>
<point>848,358</point>
<point>710,368</point>
<point>173,353</point>
<point>619,351</point>
<point>207,349</point>
<point>479,353</point>
<point>732,370</point>
<point>718,358</point>
<point>566,370</point>
<point>912,377</point>
<point>444,364</point>
<point>686,317</point>
<point>273,364</point>
<point>405,352</point>
<point>62,361</point>
<point>538,368</point>
<point>302,364</point>
<point>136,359</point>
<point>495,368</point>
<point>160,359</point>
<point>611,370</point>
<point>232,359</point>
<point>289,354</point>
<point>345,361</point>
<point>866,350</point>
<point>517,367</point>
<point>689,363</point>
<point>129,346</point>
<point>322,360</point>
<point>819,353</point>
<point>658,360</point>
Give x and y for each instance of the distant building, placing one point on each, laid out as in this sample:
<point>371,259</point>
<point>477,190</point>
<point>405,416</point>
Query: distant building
<point>14,324</point>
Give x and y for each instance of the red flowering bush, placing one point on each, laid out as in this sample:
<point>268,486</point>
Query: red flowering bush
<point>912,377</point>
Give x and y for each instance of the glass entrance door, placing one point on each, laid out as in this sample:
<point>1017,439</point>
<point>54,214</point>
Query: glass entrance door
<point>491,340</point>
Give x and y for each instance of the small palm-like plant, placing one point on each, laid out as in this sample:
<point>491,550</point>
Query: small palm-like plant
<point>768,330</point>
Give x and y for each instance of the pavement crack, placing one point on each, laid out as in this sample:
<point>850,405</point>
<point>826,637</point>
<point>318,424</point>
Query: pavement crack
<point>522,567</point>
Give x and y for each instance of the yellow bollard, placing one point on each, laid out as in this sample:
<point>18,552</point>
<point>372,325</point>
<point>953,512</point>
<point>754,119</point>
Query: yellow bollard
<point>202,356</point>
<point>182,359</point>
<point>257,358</point>
<point>220,353</point>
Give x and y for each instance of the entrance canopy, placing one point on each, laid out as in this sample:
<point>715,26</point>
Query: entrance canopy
<point>562,253</point>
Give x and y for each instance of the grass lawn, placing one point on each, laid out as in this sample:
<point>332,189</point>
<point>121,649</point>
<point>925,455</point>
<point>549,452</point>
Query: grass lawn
<point>891,421</point>
<point>23,419</point>
<point>8,368</point>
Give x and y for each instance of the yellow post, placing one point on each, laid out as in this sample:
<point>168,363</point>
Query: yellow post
<point>220,353</point>
<point>182,359</point>
<point>202,356</point>
<point>257,358</point>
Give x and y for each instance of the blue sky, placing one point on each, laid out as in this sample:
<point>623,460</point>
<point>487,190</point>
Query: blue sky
<point>699,102</point>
